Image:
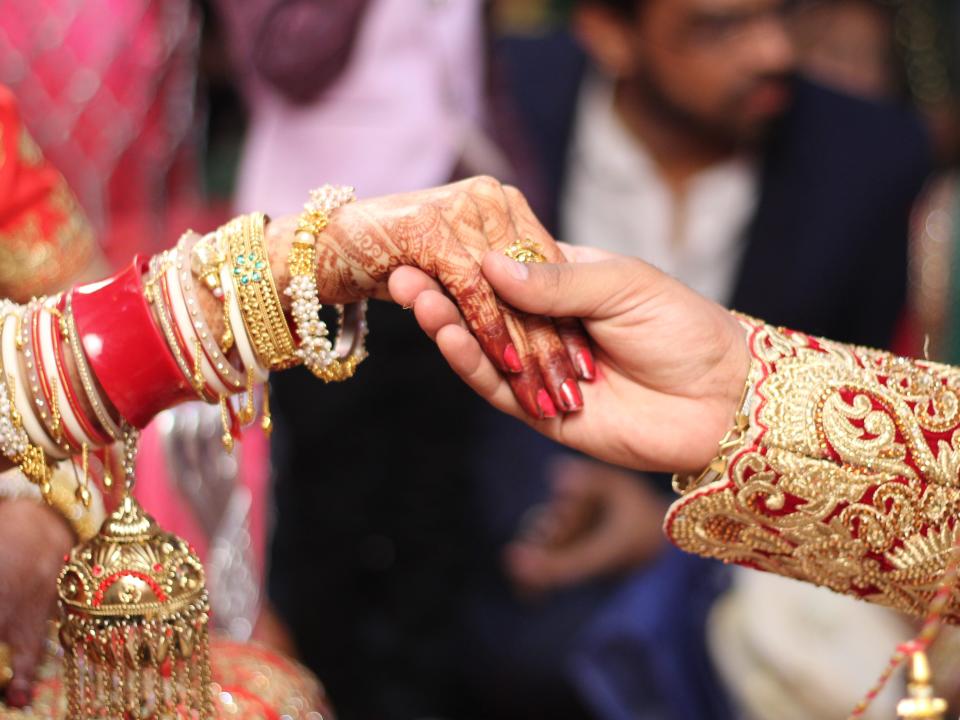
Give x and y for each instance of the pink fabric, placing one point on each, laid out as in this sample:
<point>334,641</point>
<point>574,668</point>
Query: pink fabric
<point>106,88</point>
<point>396,119</point>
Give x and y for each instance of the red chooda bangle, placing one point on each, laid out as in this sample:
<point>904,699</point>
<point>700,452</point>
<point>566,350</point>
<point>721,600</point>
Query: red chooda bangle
<point>125,348</point>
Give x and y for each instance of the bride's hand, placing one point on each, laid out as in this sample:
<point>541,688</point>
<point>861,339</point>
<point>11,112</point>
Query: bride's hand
<point>671,365</point>
<point>446,232</point>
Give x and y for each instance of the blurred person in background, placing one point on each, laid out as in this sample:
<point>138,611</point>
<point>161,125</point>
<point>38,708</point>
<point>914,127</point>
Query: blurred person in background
<point>850,45</point>
<point>690,140</point>
<point>370,560</point>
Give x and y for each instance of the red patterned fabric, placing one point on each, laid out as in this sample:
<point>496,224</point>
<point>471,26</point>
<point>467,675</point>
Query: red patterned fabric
<point>848,477</point>
<point>44,237</point>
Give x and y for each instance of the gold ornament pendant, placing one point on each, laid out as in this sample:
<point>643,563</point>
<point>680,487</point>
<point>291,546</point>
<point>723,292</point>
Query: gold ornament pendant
<point>134,614</point>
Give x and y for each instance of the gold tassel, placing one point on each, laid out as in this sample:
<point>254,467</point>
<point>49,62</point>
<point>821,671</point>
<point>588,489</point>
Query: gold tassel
<point>134,614</point>
<point>227,437</point>
<point>83,494</point>
<point>266,421</point>
<point>226,340</point>
<point>249,410</point>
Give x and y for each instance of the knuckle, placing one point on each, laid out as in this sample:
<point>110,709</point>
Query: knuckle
<point>513,194</point>
<point>483,183</point>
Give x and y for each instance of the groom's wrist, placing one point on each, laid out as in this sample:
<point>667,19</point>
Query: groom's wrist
<point>736,394</point>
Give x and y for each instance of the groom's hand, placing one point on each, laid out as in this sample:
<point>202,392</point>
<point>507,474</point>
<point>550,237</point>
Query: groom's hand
<point>670,364</point>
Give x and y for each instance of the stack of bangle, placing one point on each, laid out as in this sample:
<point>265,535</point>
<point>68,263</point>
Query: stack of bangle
<point>215,365</point>
<point>33,404</point>
<point>18,430</point>
<point>81,370</point>
<point>257,294</point>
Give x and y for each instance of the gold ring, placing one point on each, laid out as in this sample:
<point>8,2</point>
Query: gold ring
<point>6,665</point>
<point>525,251</point>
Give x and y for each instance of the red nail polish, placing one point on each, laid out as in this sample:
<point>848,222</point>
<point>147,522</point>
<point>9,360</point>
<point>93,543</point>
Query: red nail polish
<point>546,404</point>
<point>18,697</point>
<point>571,395</point>
<point>512,358</point>
<point>588,370</point>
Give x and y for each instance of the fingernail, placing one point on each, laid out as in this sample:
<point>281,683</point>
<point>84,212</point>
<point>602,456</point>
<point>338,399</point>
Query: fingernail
<point>545,403</point>
<point>512,358</point>
<point>518,270</point>
<point>572,399</point>
<point>585,364</point>
<point>18,696</point>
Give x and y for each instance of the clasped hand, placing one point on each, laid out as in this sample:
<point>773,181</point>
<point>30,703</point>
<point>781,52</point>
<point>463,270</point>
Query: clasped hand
<point>664,368</point>
<point>669,369</point>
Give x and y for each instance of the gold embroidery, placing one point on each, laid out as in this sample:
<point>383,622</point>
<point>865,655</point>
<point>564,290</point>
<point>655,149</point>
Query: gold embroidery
<point>849,476</point>
<point>32,262</point>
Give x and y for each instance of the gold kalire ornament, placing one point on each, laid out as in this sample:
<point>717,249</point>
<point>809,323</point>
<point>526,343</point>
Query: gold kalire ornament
<point>134,613</point>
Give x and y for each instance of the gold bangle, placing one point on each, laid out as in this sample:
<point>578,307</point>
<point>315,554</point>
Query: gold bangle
<point>259,301</point>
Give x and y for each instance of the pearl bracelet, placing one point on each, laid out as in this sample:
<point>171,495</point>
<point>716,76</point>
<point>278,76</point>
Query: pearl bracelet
<point>316,351</point>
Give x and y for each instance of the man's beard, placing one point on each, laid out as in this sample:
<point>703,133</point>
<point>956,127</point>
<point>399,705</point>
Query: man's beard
<point>722,131</point>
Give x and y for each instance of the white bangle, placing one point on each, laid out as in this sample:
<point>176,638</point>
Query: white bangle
<point>239,330</point>
<point>231,377</point>
<point>21,398</point>
<point>74,432</point>
<point>181,319</point>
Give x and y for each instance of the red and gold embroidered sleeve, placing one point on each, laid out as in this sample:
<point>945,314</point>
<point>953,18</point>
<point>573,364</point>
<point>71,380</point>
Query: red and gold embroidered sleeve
<point>849,476</point>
